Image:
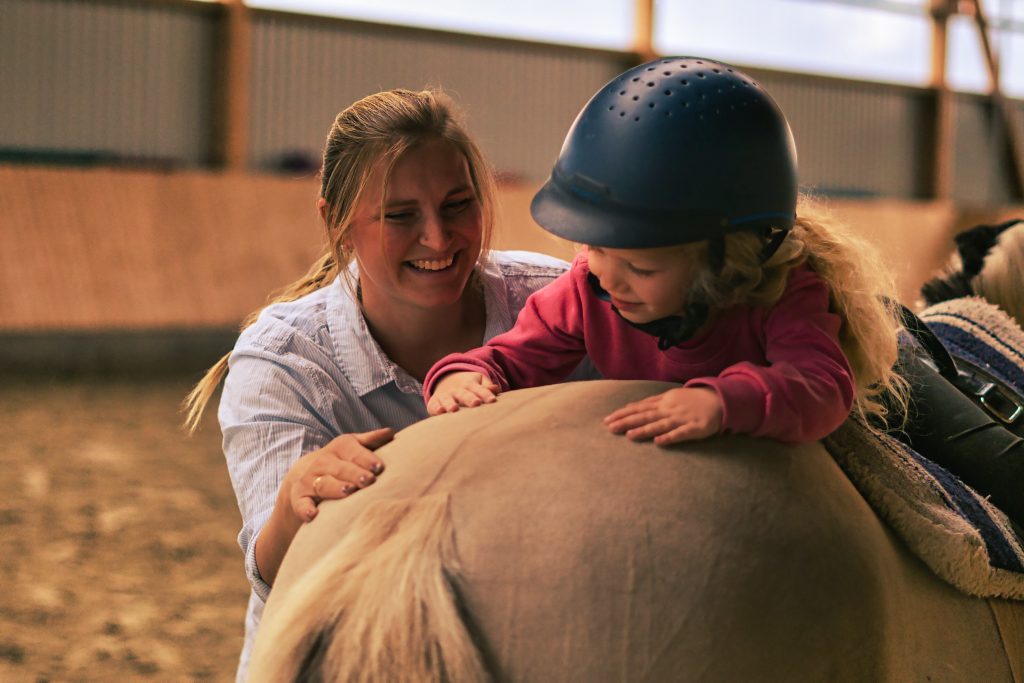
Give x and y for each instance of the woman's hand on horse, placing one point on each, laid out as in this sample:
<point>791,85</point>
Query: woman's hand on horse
<point>684,414</point>
<point>337,470</point>
<point>462,389</point>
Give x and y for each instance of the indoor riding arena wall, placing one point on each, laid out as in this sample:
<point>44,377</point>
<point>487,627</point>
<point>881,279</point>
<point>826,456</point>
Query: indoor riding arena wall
<point>106,249</point>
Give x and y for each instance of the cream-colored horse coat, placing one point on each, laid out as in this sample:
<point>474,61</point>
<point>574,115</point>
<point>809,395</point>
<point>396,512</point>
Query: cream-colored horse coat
<point>577,555</point>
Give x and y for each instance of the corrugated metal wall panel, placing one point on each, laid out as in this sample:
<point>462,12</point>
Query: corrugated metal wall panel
<point>136,78</point>
<point>130,80</point>
<point>854,138</point>
<point>982,152</point>
<point>519,98</point>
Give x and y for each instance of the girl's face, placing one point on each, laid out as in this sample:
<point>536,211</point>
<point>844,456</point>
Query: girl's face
<point>423,251</point>
<point>644,284</point>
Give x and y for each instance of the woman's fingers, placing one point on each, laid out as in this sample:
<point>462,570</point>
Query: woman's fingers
<point>329,487</point>
<point>305,508</point>
<point>338,470</point>
<point>376,438</point>
<point>358,449</point>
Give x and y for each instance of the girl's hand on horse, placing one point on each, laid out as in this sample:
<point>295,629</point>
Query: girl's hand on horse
<point>684,414</point>
<point>465,389</point>
<point>337,470</point>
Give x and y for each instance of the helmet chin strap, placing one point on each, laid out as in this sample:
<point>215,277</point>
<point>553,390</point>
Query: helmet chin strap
<point>671,330</point>
<point>716,248</point>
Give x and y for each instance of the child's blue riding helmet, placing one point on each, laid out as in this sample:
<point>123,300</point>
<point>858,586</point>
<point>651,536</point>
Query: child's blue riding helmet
<point>677,150</point>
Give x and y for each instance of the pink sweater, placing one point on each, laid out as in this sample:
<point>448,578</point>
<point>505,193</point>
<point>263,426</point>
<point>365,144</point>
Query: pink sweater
<point>779,371</point>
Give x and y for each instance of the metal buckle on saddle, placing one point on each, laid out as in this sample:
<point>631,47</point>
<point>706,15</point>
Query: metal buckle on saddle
<point>994,398</point>
<point>998,401</point>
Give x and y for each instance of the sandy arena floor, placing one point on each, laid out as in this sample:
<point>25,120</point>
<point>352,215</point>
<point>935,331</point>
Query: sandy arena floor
<point>118,559</point>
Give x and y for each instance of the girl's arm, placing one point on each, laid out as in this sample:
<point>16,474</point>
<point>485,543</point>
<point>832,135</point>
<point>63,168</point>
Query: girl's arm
<point>808,388</point>
<point>543,347</point>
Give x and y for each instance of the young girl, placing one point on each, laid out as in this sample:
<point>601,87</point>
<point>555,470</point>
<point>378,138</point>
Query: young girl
<point>679,178</point>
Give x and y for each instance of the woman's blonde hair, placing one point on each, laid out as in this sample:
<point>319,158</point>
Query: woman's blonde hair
<point>862,293</point>
<point>377,128</point>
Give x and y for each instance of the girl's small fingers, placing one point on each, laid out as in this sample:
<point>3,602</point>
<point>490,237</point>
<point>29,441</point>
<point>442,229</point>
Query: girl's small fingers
<point>467,398</point>
<point>434,406</point>
<point>619,414</point>
<point>449,404</point>
<point>651,429</point>
<point>484,392</point>
<point>679,434</point>
<point>633,421</point>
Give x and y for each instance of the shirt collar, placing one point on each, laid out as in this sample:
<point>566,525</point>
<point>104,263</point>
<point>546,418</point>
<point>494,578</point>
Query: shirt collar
<point>360,357</point>
<point>496,298</point>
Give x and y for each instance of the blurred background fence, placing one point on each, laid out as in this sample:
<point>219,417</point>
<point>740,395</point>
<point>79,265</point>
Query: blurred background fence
<point>157,158</point>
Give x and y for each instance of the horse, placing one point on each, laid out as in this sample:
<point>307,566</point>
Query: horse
<point>521,541</point>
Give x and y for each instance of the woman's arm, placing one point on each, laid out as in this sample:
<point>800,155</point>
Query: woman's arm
<point>337,470</point>
<point>285,449</point>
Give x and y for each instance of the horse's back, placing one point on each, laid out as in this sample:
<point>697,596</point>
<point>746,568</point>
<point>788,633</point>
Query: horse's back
<point>588,557</point>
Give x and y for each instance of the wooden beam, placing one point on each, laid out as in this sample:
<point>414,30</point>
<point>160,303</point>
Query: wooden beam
<point>944,132</point>
<point>643,30</point>
<point>230,144</point>
<point>1000,102</point>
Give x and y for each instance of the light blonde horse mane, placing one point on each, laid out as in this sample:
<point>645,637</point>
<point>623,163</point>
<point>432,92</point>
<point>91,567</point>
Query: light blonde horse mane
<point>379,606</point>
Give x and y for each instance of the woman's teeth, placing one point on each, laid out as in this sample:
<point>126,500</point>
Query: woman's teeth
<point>433,264</point>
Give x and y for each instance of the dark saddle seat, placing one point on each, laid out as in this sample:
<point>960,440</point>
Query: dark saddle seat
<point>964,418</point>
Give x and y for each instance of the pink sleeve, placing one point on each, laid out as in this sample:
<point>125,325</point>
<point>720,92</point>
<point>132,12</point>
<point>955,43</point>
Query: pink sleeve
<point>543,347</point>
<point>807,390</point>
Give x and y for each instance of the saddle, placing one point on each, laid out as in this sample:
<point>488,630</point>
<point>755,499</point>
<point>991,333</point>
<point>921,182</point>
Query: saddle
<point>966,413</point>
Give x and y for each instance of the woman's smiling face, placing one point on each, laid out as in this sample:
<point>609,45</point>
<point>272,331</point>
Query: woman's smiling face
<point>424,248</point>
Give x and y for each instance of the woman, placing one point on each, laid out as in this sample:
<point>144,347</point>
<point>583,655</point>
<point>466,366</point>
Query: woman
<point>329,371</point>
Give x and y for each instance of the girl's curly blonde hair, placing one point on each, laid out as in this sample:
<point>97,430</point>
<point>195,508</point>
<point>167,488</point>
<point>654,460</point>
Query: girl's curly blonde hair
<point>863,295</point>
